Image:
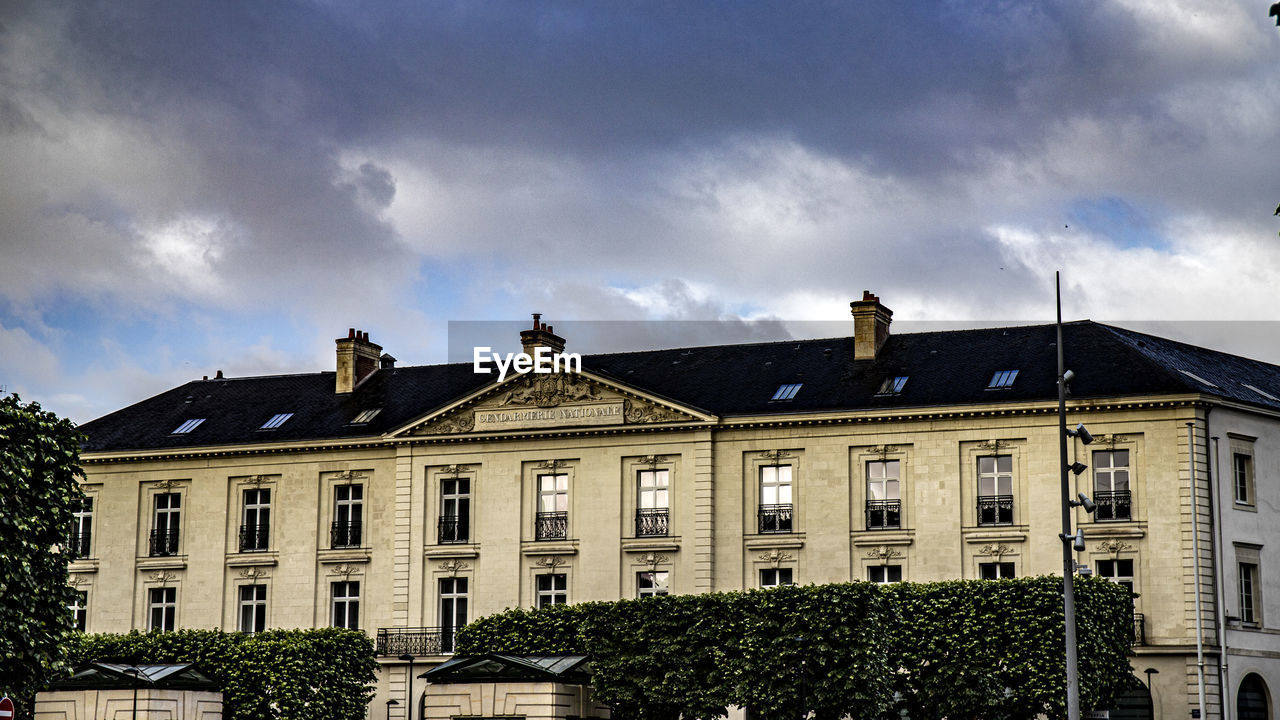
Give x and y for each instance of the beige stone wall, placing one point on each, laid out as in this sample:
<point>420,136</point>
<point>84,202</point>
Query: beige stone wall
<point>119,705</point>
<point>530,700</point>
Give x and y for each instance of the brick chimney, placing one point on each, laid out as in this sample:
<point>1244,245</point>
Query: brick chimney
<point>870,326</point>
<point>357,359</point>
<point>540,336</point>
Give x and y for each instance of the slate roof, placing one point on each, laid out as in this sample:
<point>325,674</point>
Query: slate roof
<point>944,368</point>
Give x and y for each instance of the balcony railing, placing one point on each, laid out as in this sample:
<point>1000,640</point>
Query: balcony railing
<point>163,543</point>
<point>1139,629</point>
<point>415,641</point>
<point>345,534</point>
<point>883,514</point>
<point>775,518</point>
<point>995,509</point>
<point>78,545</point>
<point>253,538</point>
<point>1116,505</point>
<point>453,529</point>
<point>551,526</point>
<point>652,522</point>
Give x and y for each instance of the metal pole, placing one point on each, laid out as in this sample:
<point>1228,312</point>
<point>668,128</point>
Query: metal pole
<point>1195,550</point>
<point>1068,557</point>
<point>1219,588</point>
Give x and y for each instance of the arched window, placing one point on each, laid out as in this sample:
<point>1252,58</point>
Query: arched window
<point>1251,699</point>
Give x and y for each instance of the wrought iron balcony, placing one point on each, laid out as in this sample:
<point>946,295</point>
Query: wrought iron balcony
<point>995,509</point>
<point>1139,629</point>
<point>551,526</point>
<point>453,529</point>
<point>883,514</point>
<point>78,545</point>
<point>415,641</point>
<point>164,543</point>
<point>345,534</point>
<point>253,538</point>
<point>775,518</point>
<point>652,522</point>
<point>1116,505</point>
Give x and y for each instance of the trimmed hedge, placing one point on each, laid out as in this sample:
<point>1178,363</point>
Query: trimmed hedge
<point>325,674</point>
<point>971,649</point>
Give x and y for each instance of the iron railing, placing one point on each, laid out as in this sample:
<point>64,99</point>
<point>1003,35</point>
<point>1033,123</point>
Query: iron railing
<point>453,529</point>
<point>775,518</point>
<point>1116,505</point>
<point>1139,629</point>
<point>652,522</point>
<point>253,538</point>
<point>551,525</point>
<point>345,533</point>
<point>415,641</point>
<point>78,545</point>
<point>882,514</point>
<point>164,543</point>
<point>995,509</point>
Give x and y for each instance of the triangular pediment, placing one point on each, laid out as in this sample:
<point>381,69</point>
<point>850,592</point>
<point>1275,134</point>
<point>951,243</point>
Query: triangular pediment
<point>538,401</point>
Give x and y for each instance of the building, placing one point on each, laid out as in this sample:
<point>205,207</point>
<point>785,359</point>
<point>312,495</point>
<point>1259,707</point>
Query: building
<point>406,500</point>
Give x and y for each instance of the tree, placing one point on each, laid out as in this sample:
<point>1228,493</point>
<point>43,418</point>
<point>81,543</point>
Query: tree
<point>39,465</point>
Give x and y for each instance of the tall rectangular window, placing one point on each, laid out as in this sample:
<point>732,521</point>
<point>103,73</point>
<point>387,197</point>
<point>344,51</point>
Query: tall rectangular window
<point>453,610</point>
<point>253,608</point>
<point>1242,478</point>
<point>995,570</point>
<point>1111,485</point>
<point>346,604</point>
<point>1250,595</point>
<point>255,520</point>
<point>162,604</point>
<point>165,524</point>
<point>455,510</point>
<point>80,610</point>
<point>995,490</point>
<point>652,503</point>
<point>775,499</point>
<point>884,499</point>
<point>651,584</point>
<point>1117,571</point>
<point>82,530</point>
<point>348,516</point>
<point>552,520</point>
<point>884,574</point>
<point>773,577</point>
<point>552,590</point>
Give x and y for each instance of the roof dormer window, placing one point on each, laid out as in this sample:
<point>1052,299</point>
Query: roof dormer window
<point>1002,380</point>
<point>365,416</point>
<point>893,385</point>
<point>276,421</point>
<point>187,426</point>
<point>787,392</point>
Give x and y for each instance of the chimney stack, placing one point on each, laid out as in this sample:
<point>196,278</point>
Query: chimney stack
<point>541,335</point>
<point>357,359</point>
<point>870,326</point>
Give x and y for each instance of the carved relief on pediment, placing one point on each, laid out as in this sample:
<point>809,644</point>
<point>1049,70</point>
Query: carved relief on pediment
<point>547,391</point>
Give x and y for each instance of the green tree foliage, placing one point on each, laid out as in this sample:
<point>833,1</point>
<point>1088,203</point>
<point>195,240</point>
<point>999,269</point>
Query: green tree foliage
<point>322,674</point>
<point>971,649</point>
<point>39,464</point>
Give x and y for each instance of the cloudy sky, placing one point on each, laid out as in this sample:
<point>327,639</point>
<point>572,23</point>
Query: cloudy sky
<point>186,187</point>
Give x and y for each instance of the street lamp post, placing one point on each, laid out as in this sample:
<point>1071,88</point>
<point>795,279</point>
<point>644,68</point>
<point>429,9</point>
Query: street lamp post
<point>1068,556</point>
<point>390,703</point>
<point>137,675</point>
<point>1151,698</point>
<point>409,691</point>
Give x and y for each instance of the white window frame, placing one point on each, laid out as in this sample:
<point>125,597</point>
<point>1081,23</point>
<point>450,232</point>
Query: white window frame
<point>1001,566</point>
<point>884,573</point>
<point>653,583</point>
<point>653,489</point>
<point>1110,568</point>
<point>1242,477</point>
<point>82,525</point>
<point>344,604</point>
<point>252,605</point>
<point>349,510</point>
<point>454,601</point>
<point>776,577</point>
<point>162,601</point>
<point>455,502</point>
<point>555,592</point>
<point>80,610</point>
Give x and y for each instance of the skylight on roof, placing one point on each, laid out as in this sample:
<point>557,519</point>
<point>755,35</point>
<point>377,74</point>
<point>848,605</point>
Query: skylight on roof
<point>187,426</point>
<point>365,416</point>
<point>892,385</point>
<point>1002,379</point>
<point>1197,378</point>
<point>1263,393</point>
<point>276,421</point>
<point>786,392</point>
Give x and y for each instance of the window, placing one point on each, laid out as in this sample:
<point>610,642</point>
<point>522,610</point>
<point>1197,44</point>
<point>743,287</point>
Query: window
<point>253,608</point>
<point>187,426</point>
<point>1250,595</point>
<point>892,385</point>
<point>995,570</point>
<point>651,584</point>
<point>1111,485</point>
<point>775,499</point>
<point>1002,379</point>
<point>453,610</point>
<point>773,577</point>
<point>82,530</point>
<point>346,604</point>
<point>1242,478</point>
<point>365,416</point>
<point>787,392</point>
<point>884,574</point>
<point>884,503</point>
<point>652,513</point>
<point>455,510</point>
<point>162,604</point>
<point>276,421</point>
<point>80,610</point>
<point>348,514</point>
<point>552,521</point>
<point>165,524</point>
<point>1117,571</point>
<point>255,526</point>
<point>995,490</point>
<point>552,590</point>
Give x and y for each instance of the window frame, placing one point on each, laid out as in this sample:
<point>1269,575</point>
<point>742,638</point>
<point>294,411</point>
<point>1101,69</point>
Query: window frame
<point>348,602</point>
<point>82,529</point>
<point>996,499</point>
<point>171,527</point>
<point>556,591</point>
<point>1249,593</point>
<point>162,600</point>
<point>347,530</point>
<point>255,536</point>
<point>779,576</point>
<point>453,601</point>
<point>79,608</point>
<point>1242,478</point>
<point>885,571</point>
<point>653,583</point>
<point>455,494</point>
<point>1000,567</point>
<point>777,516</point>
<point>890,519</point>
<point>252,608</point>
